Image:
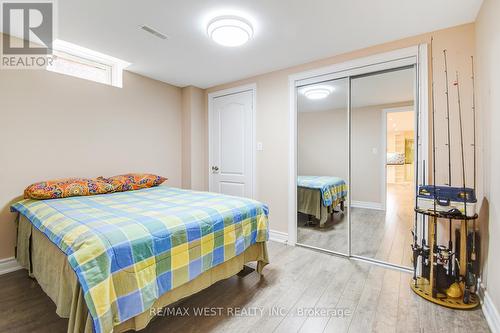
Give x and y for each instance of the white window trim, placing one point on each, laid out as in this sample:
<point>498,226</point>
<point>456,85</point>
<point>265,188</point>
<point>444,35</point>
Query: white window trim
<point>117,65</point>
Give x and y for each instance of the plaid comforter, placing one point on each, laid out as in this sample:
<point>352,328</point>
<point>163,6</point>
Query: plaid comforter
<point>129,248</point>
<point>331,188</point>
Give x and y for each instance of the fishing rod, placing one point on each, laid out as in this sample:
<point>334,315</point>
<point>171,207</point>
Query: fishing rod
<point>424,247</point>
<point>434,239</point>
<point>448,143</point>
<point>469,275</point>
<point>473,254</point>
<point>457,84</point>
<point>415,248</point>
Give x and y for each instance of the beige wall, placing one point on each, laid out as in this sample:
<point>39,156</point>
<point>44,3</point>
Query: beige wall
<point>273,108</point>
<point>53,126</point>
<point>322,143</point>
<point>186,94</point>
<point>488,88</point>
<point>193,138</point>
<point>366,154</point>
<point>322,148</point>
<point>199,153</point>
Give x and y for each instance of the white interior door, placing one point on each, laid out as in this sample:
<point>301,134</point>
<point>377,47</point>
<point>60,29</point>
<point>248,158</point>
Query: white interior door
<point>231,144</point>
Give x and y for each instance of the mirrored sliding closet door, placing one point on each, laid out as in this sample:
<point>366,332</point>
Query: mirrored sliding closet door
<point>322,165</point>
<point>382,124</point>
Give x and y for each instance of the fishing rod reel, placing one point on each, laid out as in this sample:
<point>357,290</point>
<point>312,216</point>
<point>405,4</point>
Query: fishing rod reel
<point>423,252</point>
<point>426,266</point>
<point>470,283</point>
<point>444,256</point>
<point>445,277</point>
<point>417,252</point>
<point>472,269</point>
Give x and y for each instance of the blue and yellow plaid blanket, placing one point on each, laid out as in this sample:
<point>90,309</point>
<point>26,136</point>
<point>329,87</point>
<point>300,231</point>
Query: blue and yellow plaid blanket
<point>332,188</point>
<point>129,248</point>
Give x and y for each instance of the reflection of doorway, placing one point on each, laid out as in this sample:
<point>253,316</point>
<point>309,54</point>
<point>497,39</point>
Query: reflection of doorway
<point>399,124</point>
<point>399,153</point>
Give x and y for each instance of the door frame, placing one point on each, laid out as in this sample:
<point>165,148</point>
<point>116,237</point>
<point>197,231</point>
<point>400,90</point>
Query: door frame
<point>417,56</point>
<point>231,91</point>
<point>383,145</point>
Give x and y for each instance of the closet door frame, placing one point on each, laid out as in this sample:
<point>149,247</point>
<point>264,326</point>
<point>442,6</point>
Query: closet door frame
<point>416,56</point>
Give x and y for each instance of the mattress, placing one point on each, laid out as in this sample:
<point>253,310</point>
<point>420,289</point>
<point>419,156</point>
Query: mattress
<point>49,266</point>
<point>128,249</point>
<point>331,188</point>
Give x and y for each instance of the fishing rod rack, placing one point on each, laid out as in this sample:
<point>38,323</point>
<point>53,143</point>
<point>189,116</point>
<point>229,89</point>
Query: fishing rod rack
<point>440,268</point>
<point>446,274</point>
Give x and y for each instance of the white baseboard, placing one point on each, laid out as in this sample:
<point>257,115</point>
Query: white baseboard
<point>367,205</point>
<point>278,236</point>
<point>8,265</point>
<point>489,310</point>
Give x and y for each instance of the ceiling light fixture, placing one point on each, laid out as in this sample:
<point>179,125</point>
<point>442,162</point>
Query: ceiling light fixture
<point>230,31</point>
<point>318,91</point>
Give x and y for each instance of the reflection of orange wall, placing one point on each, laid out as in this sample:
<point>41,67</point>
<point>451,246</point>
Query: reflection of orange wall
<point>396,143</point>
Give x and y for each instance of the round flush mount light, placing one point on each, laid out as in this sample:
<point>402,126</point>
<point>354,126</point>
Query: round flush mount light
<point>229,31</point>
<point>317,92</point>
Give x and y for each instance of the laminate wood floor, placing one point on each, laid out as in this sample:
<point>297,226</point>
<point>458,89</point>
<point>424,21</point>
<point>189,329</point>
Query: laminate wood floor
<point>382,235</point>
<point>297,282</point>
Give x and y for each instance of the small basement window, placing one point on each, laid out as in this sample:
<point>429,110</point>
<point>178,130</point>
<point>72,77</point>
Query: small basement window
<point>68,64</point>
<point>77,61</point>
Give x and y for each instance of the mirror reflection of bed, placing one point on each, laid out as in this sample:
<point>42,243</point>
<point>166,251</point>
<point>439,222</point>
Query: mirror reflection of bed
<point>322,165</point>
<point>381,165</point>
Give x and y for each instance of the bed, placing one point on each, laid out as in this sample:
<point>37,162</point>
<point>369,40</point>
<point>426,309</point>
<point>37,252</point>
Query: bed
<point>107,260</point>
<point>318,196</point>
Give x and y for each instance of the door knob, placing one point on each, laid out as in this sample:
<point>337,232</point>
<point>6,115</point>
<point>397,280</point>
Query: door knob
<point>215,169</point>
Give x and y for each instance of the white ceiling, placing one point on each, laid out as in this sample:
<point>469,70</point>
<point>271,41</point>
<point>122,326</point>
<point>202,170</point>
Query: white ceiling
<point>379,89</point>
<point>287,32</point>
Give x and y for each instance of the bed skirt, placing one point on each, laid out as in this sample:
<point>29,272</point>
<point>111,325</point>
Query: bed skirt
<point>309,202</point>
<point>49,266</point>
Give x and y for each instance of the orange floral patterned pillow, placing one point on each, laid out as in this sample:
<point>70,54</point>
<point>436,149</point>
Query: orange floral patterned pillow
<point>134,181</point>
<point>67,187</point>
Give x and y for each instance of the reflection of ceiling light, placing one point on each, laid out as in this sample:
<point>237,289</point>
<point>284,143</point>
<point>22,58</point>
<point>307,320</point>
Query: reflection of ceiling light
<point>317,91</point>
<point>230,30</point>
